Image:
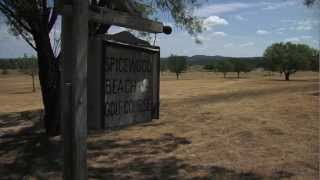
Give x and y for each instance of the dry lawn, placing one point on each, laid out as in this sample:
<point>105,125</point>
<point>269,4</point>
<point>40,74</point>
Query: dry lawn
<point>256,127</point>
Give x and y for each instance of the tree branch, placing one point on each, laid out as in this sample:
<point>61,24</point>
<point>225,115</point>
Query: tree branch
<point>10,14</point>
<point>28,41</point>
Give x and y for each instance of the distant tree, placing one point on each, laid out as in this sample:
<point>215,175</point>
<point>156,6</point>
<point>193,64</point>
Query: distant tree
<point>177,64</point>
<point>210,67</point>
<point>240,66</point>
<point>4,71</point>
<point>288,58</point>
<point>225,66</point>
<point>314,62</point>
<point>28,66</point>
<point>163,67</point>
<point>33,71</point>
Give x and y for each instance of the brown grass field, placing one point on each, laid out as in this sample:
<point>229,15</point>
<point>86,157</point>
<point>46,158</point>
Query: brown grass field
<point>256,127</point>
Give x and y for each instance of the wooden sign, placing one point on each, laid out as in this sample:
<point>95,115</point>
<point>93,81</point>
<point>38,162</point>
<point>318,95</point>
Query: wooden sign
<point>129,84</point>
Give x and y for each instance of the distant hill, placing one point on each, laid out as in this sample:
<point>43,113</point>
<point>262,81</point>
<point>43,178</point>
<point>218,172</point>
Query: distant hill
<point>203,60</point>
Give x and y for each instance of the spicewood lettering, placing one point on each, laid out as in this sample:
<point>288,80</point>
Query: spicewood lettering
<point>124,64</point>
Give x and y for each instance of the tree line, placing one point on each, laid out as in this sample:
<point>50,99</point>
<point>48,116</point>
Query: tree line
<point>285,58</point>
<point>232,65</point>
<point>26,65</point>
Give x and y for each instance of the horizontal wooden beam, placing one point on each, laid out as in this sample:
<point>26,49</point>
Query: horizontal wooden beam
<point>123,19</point>
<point>108,16</point>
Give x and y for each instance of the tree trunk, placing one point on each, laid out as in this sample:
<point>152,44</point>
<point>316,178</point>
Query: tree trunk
<point>224,75</point>
<point>177,74</point>
<point>33,83</point>
<point>49,77</point>
<point>287,75</point>
<point>238,75</point>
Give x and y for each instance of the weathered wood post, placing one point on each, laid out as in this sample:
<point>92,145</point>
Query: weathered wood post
<point>74,75</point>
<point>74,89</point>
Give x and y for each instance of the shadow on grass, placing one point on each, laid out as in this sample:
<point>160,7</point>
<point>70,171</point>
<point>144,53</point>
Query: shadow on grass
<point>29,153</point>
<point>294,80</point>
<point>238,95</point>
<point>155,159</point>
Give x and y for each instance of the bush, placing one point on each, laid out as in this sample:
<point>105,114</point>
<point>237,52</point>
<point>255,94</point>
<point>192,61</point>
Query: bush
<point>4,71</point>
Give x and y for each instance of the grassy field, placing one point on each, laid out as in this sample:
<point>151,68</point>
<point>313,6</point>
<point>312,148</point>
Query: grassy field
<point>256,127</point>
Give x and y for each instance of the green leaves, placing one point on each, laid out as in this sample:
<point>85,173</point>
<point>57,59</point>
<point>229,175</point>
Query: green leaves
<point>288,57</point>
<point>177,64</point>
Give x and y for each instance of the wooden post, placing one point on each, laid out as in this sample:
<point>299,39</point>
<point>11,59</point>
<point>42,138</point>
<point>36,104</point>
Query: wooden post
<point>74,90</point>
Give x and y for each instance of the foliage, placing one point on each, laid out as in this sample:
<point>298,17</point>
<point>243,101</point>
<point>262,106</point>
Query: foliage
<point>288,58</point>
<point>177,64</point>
<point>238,67</point>
<point>311,2</point>
<point>208,67</point>
<point>225,67</point>
<point>163,67</point>
<point>314,62</point>
<point>4,71</point>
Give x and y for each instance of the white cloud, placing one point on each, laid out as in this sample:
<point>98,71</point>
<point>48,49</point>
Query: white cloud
<point>219,34</point>
<point>247,44</point>
<point>306,25</point>
<point>281,29</point>
<point>306,37</point>
<point>228,45</point>
<point>220,8</point>
<point>262,32</point>
<point>240,18</point>
<point>212,21</point>
<point>302,25</point>
<point>278,5</point>
<point>293,39</point>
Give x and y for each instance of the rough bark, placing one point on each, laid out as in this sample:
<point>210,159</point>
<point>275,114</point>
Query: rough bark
<point>49,77</point>
<point>33,83</point>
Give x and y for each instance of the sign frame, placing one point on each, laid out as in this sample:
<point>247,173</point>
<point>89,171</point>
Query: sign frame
<point>155,77</point>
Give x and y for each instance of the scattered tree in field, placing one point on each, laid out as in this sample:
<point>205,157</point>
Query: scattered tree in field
<point>163,67</point>
<point>240,66</point>
<point>33,20</point>
<point>288,58</point>
<point>314,62</point>
<point>225,67</point>
<point>210,67</point>
<point>4,71</point>
<point>32,70</point>
<point>28,66</point>
<point>177,64</point>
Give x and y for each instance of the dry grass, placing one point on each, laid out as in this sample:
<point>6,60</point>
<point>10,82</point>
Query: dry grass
<point>257,127</point>
<point>16,94</point>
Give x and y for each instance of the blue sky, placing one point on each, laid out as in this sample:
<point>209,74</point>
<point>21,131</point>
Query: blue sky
<point>241,28</point>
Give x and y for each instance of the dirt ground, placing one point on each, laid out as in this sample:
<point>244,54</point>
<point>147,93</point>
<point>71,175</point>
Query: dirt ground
<point>256,127</point>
